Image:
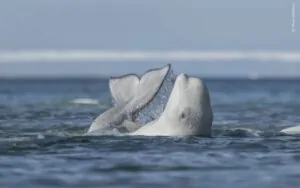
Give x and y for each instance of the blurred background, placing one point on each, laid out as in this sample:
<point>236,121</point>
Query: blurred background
<point>94,38</point>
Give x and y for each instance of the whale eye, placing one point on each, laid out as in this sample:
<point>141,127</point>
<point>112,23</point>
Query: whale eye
<point>185,114</point>
<point>182,115</point>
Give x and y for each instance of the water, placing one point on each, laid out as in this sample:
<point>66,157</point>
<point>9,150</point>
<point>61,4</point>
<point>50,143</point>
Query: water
<point>41,143</point>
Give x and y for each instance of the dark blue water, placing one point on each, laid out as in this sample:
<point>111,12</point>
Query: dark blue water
<point>41,143</point>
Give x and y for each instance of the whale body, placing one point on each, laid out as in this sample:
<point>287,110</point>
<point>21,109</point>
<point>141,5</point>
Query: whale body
<point>188,111</point>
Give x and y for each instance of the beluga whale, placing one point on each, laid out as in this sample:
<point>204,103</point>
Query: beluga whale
<point>130,94</point>
<point>291,130</point>
<point>188,111</point>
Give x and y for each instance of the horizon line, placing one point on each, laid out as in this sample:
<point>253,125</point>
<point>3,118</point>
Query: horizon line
<point>212,77</point>
<point>15,56</point>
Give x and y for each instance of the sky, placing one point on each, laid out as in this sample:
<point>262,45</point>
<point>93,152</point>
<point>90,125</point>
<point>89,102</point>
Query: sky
<point>36,27</point>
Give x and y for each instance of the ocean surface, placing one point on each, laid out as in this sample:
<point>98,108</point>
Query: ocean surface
<point>41,141</point>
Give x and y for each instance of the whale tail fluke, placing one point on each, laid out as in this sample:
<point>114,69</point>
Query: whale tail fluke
<point>141,90</point>
<point>123,88</point>
<point>130,94</point>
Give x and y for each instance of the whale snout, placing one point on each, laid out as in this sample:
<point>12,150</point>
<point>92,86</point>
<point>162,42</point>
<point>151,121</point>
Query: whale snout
<point>182,76</point>
<point>192,82</point>
<point>182,79</point>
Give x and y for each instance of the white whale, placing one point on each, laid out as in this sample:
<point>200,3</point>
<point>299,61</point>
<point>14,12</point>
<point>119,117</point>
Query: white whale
<point>291,130</point>
<point>188,111</point>
<point>130,94</point>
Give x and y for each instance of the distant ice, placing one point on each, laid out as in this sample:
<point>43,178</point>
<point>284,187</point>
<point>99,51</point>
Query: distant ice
<point>99,55</point>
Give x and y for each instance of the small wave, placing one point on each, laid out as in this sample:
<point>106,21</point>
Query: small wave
<point>113,132</point>
<point>243,132</point>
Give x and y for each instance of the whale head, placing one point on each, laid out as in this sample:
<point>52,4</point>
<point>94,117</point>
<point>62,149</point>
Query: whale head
<point>188,110</point>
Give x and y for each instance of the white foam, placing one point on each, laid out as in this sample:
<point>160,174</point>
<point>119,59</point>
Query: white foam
<point>84,101</point>
<point>102,55</point>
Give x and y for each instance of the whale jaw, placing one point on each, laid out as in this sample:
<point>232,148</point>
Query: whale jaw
<point>187,113</point>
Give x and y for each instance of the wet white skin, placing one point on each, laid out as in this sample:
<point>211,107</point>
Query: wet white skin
<point>188,111</point>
